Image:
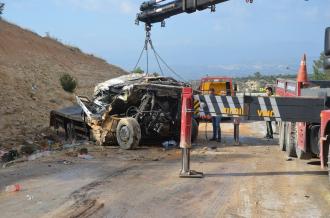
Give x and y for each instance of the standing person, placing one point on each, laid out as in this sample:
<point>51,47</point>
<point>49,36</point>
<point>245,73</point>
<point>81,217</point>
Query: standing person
<point>215,122</point>
<point>269,135</point>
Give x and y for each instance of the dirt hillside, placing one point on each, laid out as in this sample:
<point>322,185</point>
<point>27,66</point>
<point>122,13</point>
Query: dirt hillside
<point>30,68</point>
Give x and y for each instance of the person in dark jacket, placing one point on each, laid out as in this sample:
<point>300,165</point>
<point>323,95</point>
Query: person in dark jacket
<point>215,122</point>
<point>269,135</point>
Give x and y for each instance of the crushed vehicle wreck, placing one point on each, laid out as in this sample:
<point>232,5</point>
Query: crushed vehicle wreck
<point>125,110</point>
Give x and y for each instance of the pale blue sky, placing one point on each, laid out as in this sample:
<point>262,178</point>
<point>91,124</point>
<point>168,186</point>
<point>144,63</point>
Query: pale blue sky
<point>268,36</point>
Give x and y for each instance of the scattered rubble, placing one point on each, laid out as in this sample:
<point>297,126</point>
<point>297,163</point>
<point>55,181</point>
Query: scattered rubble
<point>39,155</point>
<point>170,144</point>
<point>29,197</point>
<point>85,156</point>
<point>13,188</point>
<point>65,162</point>
<point>83,151</point>
<point>28,149</point>
<point>9,156</point>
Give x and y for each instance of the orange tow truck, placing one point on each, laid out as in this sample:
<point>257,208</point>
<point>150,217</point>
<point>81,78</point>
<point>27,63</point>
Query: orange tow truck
<point>219,84</point>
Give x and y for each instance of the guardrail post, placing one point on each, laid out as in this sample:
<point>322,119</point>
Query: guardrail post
<point>236,130</point>
<point>185,134</point>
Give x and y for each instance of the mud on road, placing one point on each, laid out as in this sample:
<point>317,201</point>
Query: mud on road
<point>253,179</point>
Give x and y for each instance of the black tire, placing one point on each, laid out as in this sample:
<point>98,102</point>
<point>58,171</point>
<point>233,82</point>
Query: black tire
<point>291,139</point>
<point>128,133</point>
<point>282,138</point>
<point>194,130</point>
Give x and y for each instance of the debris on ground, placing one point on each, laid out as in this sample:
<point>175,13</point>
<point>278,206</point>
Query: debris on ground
<point>71,153</point>
<point>13,188</point>
<point>83,151</point>
<point>169,144</point>
<point>2,152</point>
<point>65,162</point>
<point>28,149</point>
<point>85,156</point>
<point>9,156</point>
<point>10,163</point>
<point>39,155</point>
<point>29,197</point>
<point>74,144</point>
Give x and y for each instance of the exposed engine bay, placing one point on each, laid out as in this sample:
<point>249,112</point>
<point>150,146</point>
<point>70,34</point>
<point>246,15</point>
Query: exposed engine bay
<point>148,104</point>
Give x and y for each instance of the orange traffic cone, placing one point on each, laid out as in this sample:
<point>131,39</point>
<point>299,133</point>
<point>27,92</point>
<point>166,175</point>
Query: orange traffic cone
<point>302,73</point>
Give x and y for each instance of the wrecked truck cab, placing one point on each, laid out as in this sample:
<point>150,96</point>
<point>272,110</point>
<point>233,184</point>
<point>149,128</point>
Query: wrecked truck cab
<point>132,107</point>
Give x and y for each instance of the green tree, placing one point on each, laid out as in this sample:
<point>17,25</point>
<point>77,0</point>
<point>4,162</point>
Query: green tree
<point>318,72</point>
<point>68,83</point>
<point>138,70</point>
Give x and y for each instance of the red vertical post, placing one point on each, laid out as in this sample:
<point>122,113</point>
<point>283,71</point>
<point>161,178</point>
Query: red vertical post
<point>186,117</point>
<point>185,134</point>
<point>325,117</point>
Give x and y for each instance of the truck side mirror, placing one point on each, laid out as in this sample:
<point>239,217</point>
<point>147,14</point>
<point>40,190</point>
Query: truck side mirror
<point>327,49</point>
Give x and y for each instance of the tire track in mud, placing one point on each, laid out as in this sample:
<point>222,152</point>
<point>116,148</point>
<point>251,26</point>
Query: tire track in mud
<point>84,202</point>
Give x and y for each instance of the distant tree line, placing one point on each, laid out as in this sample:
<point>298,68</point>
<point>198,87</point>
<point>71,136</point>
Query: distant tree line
<point>269,78</point>
<point>318,71</point>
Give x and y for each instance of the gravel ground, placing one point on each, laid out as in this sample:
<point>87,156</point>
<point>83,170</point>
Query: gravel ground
<point>253,179</point>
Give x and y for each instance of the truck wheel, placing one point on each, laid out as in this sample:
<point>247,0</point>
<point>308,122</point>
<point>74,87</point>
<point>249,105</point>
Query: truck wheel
<point>291,139</point>
<point>128,133</point>
<point>282,136</point>
<point>194,130</point>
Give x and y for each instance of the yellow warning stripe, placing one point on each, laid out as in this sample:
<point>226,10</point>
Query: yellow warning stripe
<point>196,107</point>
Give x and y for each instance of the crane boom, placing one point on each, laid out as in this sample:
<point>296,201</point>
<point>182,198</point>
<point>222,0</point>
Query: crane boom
<point>153,12</point>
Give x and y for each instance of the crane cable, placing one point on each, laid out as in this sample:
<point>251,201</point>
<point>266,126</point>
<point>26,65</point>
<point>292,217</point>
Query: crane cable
<point>156,57</point>
<point>147,42</point>
<point>137,63</point>
<point>168,67</point>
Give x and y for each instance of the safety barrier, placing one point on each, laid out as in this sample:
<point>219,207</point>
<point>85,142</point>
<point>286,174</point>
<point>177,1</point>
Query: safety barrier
<point>290,109</point>
<point>258,108</point>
